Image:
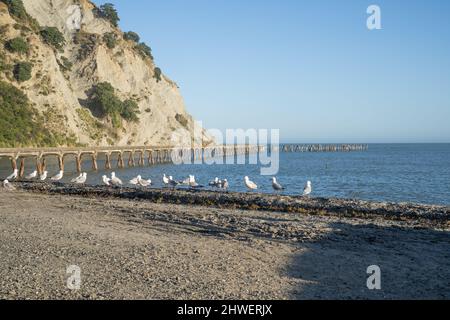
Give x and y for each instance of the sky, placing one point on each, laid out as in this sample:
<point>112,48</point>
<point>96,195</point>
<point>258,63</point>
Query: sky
<point>309,68</point>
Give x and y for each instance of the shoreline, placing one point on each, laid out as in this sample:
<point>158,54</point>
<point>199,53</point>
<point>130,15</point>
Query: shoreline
<point>433,215</point>
<point>132,246</point>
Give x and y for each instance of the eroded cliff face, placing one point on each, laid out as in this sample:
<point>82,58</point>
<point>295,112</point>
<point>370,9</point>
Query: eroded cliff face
<point>62,80</point>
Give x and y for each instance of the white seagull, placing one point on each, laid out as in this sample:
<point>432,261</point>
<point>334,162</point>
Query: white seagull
<point>215,183</point>
<point>114,180</point>
<point>82,179</point>
<point>135,181</point>
<point>275,185</point>
<point>14,175</point>
<point>43,176</point>
<point>308,189</point>
<point>144,183</point>
<point>106,180</point>
<point>8,186</point>
<point>172,182</point>
<point>74,180</point>
<point>250,184</point>
<point>32,175</point>
<point>224,184</point>
<point>58,177</point>
<point>165,180</point>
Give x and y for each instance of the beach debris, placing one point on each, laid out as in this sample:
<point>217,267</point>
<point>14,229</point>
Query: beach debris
<point>250,184</point>
<point>106,180</point>
<point>308,189</point>
<point>43,176</point>
<point>114,180</point>
<point>32,175</point>
<point>14,175</point>
<point>275,185</point>
<point>8,186</point>
<point>58,177</point>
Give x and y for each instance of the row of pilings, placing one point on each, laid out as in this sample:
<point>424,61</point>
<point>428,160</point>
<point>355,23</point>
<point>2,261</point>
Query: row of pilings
<point>121,158</point>
<point>322,147</point>
<point>141,156</point>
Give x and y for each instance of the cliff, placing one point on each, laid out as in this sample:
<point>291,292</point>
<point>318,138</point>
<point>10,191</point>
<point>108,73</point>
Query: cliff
<point>87,82</point>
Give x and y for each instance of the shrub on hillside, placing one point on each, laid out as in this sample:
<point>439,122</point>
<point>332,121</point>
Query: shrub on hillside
<point>157,74</point>
<point>144,50</point>
<point>22,71</point>
<point>53,37</point>
<point>131,36</point>
<point>105,102</point>
<point>19,124</point>
<point>18,45</point>
<point>110,40</point>
<point>130,110</point>
<point>108,12</point>
<point>17,10</point>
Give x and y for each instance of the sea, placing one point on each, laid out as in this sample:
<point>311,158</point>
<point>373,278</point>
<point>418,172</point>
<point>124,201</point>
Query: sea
<point>413,173</point>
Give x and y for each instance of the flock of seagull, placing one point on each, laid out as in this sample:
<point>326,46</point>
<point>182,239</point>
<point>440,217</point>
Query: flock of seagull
<point>168,181</point>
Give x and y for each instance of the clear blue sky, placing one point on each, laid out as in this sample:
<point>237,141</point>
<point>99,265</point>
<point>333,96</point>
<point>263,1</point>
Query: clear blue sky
<point>309,68</point>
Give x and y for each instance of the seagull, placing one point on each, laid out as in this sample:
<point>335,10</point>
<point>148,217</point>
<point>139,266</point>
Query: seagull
<point>8,186</point>
<point>144,183</point>
<point>74,180</point>
<point>275,185</point>
<point>106,180</point>
<point>250,184</point>
<point>224,184</point>
<point>215,183</point>
<point>135,181</point>
<point>58,177</point>
<point>14,175</point>
<point>308,189</point>
<point>43,176</point>
<point>32,175</point>
<point>114,180</point>
<point>165,180</point>
<point>82,179</point>
<point>172,182</point>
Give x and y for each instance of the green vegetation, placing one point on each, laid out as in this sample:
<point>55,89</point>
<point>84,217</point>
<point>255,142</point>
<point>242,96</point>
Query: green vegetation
<point>110,39</point>
<point>18,45</point>
<point>4,66</point>
<point>157,74</point>
<point>144,50</point>
<point>87,43</point>
<point>182,120</point>
<point>108,12</point>
<point>131,36</point>
<point>105,102</point>
<point>130,111</point>
<point>65,64</point>
<point>20,125</point>
<point>22,71</point>
<point>17,10</point>
<point>53,37</point>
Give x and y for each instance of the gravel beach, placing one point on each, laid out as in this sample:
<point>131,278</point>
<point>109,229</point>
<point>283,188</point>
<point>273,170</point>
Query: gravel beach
<point>134,248</point>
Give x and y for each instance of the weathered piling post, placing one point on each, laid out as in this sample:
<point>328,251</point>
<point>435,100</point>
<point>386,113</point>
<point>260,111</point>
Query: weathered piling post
<point>120,163</point>
<point>108,161</point>
<point>61,162</point>
<point>150,157</point>
<point>94,161</point>
<point>78,162</point>
<point>131,159</point>
<point>142,158</point>
<point>22,167</point>
<point>13,163</point>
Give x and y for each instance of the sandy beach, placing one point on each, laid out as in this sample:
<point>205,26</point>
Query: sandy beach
<point>140,249</point>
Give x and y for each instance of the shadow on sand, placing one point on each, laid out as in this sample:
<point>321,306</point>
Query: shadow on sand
<point>414,264</point>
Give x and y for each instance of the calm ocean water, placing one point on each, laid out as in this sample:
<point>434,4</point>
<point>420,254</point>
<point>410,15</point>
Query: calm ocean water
<point>417,173</point>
